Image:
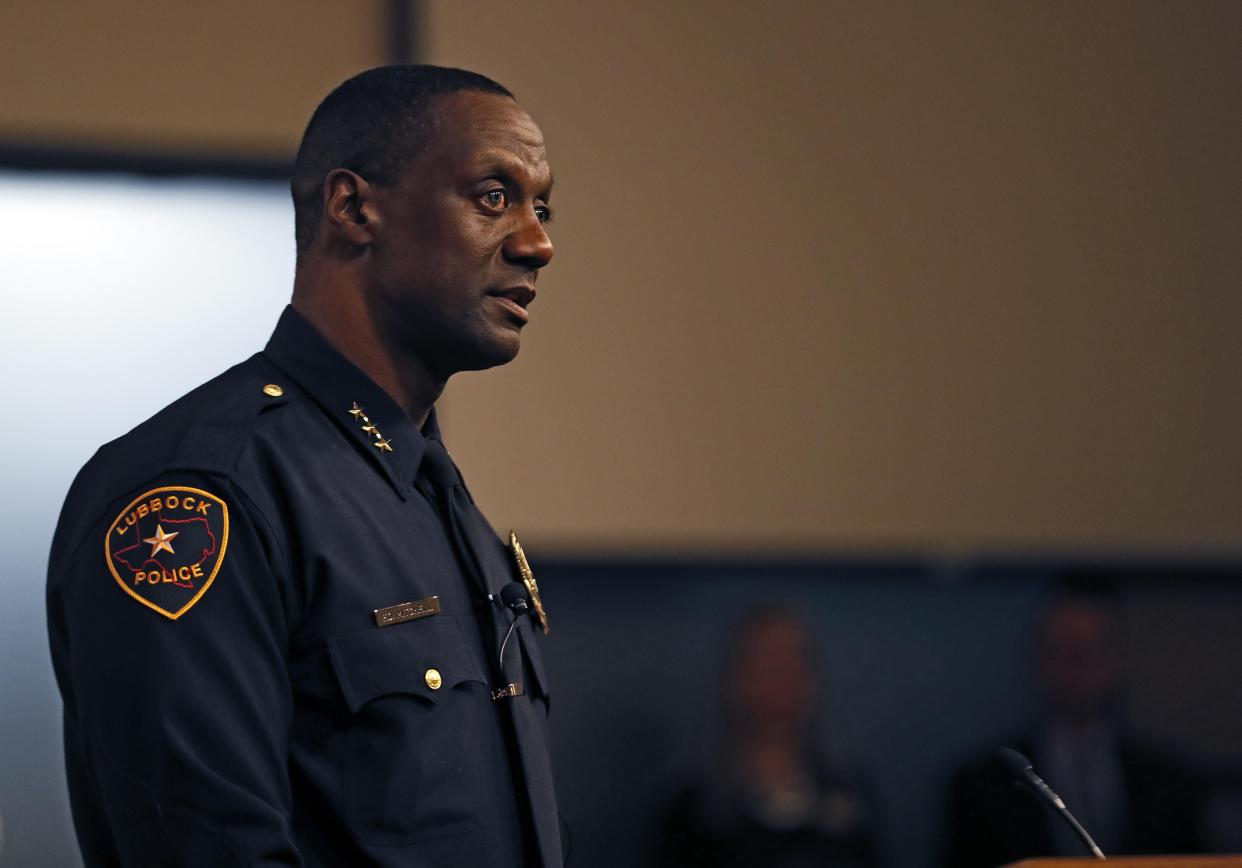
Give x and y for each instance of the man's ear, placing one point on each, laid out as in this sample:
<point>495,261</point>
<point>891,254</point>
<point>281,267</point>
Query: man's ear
<point>349,207</point>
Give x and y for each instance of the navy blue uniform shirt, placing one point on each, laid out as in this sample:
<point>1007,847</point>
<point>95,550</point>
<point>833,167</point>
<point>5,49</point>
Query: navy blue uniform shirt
<point>229,696</point>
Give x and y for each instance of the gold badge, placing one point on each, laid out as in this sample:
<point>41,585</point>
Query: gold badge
<point>166,547</point>
<point>528,579</point>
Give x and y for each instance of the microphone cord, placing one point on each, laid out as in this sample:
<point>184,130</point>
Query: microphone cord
<point>500,659</point>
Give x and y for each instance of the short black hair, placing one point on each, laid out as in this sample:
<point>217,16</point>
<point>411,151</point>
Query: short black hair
<point>371,124</point>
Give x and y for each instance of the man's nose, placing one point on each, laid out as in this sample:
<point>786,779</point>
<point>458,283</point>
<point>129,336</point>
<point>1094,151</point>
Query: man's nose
<point>529,243</point>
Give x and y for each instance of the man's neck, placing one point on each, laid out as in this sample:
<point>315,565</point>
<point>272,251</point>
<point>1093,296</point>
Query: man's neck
<point>346,324</point>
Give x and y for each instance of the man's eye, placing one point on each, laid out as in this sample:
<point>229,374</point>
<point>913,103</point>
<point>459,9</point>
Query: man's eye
<point>543,212</point>
<point>496,198</point>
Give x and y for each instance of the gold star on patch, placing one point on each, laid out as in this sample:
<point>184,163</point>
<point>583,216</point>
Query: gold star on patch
<point>160,542</point>
<point>382,445</point>
<point>371,429</point>
<point>356,411</point>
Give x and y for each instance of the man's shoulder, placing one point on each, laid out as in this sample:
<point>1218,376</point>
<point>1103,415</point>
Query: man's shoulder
<point>199,430</point>
<point>201,434</point>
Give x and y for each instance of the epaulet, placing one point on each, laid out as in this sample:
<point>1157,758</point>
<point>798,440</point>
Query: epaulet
<point>213,444</point>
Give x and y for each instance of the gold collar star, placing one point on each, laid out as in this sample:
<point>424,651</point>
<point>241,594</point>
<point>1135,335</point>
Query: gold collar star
<point>369,428</point>
<point>161,540</point>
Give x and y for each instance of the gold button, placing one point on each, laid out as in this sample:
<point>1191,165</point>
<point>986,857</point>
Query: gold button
<point>433,679</point>
<point>273,390</point>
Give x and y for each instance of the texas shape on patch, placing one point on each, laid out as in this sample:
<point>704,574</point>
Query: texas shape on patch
<point>166,547</point>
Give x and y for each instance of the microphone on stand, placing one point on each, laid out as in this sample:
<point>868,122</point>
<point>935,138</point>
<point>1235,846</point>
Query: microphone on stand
<point>1024,775</point>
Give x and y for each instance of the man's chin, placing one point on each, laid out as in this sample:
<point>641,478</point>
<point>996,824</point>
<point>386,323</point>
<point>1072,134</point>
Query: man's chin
<point>495,352</point>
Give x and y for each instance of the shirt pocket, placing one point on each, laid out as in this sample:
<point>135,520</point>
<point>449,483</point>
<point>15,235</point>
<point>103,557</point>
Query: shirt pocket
<point>416,695</point>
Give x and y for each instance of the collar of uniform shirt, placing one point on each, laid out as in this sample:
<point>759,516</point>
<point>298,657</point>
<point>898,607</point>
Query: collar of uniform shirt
<point>336,385</point>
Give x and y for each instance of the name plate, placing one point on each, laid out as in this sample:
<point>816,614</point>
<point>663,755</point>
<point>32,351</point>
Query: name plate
<point>403,612</point>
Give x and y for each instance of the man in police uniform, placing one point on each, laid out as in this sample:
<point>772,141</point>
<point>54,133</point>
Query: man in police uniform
<point>277,619</point>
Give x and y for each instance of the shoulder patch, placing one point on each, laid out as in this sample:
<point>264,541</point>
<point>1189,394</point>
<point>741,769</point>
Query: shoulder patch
<point>166,546</point>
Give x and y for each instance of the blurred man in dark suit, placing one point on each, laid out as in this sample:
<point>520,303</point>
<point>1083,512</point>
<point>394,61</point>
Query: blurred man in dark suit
<point>1132,797</point>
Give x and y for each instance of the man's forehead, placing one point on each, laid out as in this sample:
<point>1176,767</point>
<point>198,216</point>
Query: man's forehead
<point>479,123</point>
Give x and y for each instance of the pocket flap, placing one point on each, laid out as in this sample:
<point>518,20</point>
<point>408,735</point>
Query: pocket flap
<point>406,658</point>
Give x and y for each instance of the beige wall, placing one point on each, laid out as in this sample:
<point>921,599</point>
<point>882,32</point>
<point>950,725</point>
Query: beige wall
<point>857,274</point>
<point>227,75</point>
<point>829,275</point>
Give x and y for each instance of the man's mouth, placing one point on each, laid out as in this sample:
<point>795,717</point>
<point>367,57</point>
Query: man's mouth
<point>522,296</point>
<point>516,299</point>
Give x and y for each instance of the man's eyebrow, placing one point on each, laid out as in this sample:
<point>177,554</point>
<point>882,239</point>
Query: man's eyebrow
<point>507,168</point>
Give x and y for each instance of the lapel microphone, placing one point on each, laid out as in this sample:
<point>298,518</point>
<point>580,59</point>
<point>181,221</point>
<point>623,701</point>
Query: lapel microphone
<point>514,597</point>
